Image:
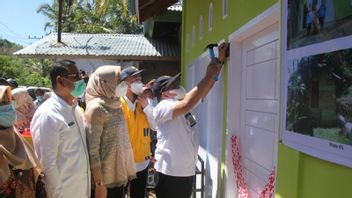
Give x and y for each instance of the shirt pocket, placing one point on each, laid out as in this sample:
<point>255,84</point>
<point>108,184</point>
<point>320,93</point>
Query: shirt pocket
<point>69,137</point>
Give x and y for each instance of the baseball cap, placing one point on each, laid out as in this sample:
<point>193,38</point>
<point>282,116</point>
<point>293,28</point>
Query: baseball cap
<point>130,71</point>
<point>12,83</point>
<point>162,83</point>
<point>4,82</point>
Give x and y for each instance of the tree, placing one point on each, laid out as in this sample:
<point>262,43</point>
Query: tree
<point>27,72</point>
<point>109,16</point>
<point>6,47</point>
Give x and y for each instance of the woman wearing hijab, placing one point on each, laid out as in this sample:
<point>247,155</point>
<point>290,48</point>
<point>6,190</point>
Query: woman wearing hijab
<point>25,108</point>
<point>111,155</point>
<point>19,167</point>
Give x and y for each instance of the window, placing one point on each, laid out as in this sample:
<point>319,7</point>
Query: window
<point>210,17</point>
<point>224,8</point>
<point>200,27</point>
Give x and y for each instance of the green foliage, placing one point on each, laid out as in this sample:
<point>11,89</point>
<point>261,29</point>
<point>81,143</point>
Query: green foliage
<point>332,134</point>
<point>107,16</point>
<point>6,47</point>
<point>296,105</point>
<point>27,72</point>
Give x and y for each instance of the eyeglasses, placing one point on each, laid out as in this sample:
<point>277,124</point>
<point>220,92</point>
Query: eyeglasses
<point>174,85</point>
<point>76,77</point>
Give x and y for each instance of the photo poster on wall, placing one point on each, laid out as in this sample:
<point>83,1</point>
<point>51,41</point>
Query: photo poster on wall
<point>317,78</point>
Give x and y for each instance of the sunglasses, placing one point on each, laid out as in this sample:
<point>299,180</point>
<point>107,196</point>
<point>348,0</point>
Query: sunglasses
<point>76,77</point>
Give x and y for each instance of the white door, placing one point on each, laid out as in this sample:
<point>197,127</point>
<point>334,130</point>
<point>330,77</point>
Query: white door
<point>259,106</point>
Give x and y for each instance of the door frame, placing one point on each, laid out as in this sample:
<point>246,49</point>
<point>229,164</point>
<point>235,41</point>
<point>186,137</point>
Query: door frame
<point>262,21</point>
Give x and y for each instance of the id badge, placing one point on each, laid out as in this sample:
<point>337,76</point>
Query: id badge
<point>191,120</point>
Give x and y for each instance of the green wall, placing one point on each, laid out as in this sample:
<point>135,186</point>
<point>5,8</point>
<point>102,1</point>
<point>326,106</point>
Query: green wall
<point>298,175</point>
<point>343,8</point>
<point>239,13</point>
<point>301,176</point>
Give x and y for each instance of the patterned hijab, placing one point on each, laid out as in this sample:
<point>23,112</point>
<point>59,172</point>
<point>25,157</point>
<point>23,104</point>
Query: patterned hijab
<point>14,150</point>
<point>24,108</point>
<point>101,86</point>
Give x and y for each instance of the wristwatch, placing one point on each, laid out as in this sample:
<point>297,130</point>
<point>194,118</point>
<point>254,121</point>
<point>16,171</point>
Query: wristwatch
<point>216,60</point>
<point>99,183</point>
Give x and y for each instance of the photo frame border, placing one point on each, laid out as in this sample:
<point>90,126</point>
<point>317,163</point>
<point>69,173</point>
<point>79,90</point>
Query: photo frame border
<point>324,149</point>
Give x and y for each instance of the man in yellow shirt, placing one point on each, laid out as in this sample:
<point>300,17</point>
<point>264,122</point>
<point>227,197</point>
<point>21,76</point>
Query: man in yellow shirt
<point>139,117</point>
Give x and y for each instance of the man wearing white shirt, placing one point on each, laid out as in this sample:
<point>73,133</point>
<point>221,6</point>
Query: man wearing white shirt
<point>177,146</point>
<point>59,136</point>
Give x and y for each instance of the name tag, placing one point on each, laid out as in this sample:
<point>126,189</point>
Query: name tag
<point>71,124</point>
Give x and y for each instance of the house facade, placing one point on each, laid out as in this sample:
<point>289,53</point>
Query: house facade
<point>248,101</point>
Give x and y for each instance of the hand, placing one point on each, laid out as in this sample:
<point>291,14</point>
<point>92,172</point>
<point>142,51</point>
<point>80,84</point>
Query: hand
<point>150,83</point>
<point>141,99</point>
<point>222,48</point>
<point>152,161</point>
<point>100,191</point>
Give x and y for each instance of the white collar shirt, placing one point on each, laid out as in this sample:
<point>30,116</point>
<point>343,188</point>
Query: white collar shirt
<point>178,141</point>
<point>59,141</point>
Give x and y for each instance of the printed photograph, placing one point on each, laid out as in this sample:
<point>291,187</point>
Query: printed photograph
<point>319,96</point>
<point>314,21</point>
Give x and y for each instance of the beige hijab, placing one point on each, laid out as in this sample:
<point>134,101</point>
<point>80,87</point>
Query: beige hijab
<point>101,86</point>
<point>24,108</point>
<point>14,150</point>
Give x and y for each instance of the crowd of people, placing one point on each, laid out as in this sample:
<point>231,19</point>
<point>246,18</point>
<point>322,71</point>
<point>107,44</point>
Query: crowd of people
<point>101,146</point>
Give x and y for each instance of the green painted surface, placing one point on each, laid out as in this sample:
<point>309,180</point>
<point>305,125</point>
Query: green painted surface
<point>343,8</point>
<point>239,13</point>
<point>224,127</point>
<point>301,175</point>
<point>298,175</point>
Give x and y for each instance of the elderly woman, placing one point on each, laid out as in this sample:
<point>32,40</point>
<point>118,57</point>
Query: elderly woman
<point>25,108</point>
<point>109,146</point>
<point>19,167</point>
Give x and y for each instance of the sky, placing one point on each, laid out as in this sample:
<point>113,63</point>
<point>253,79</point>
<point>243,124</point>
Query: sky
<point>19,20</point>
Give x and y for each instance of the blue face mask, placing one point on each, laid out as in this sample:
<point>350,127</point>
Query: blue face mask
<point>80,88</point>
<point>8,115</point>
<point>39,98</point>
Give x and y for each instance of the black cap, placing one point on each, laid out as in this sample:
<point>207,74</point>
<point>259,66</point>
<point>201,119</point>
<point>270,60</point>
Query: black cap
<point>162,83</point>
<point>13,83</point>
<point>3,81</point>
<point>130,71</point>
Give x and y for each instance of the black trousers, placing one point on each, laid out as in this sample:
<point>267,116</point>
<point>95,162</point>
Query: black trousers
<point>117,192</point>
<point>137,186</point>
<point>174,187</point>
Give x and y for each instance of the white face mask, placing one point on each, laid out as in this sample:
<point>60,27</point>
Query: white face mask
<point>137,87</point>
<point>121,89</point>
<point>180,93</point>
<point>153,102</point>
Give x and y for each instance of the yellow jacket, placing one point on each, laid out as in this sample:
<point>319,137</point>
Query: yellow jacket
<point>139,131</point>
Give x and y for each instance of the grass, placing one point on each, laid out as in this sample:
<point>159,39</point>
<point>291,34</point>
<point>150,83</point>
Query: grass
<point>332,134</point>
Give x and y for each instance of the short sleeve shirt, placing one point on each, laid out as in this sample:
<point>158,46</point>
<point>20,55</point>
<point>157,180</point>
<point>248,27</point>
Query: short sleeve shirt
<point>177,145</point>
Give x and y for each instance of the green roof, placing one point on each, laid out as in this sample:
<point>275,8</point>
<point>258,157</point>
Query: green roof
<point>114,46</point>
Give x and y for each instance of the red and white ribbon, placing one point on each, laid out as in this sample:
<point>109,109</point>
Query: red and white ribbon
<point>242,186</point>
<point>236,160</point>
<point>269,188</point>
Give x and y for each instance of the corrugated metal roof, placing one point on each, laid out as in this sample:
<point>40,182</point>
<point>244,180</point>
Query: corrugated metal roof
<point>111,45</point>
<point>176,7</point>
